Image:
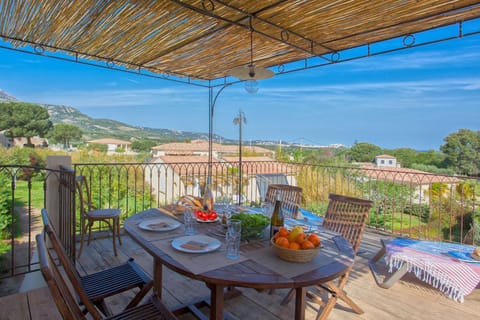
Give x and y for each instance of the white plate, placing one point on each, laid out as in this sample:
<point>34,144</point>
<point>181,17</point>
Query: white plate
<point>208,221</point>
<point>196,244</point>
<point>159,224</point>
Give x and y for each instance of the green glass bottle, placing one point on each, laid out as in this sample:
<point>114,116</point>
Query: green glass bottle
<point>277,219</point>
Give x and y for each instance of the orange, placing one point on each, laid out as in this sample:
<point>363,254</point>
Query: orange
<point>275,236</point>
<point>283,232</point>
<point>307,245</point>
<point>300,238</point>
<point>282,242</point>
<point>294,246</point>
<point>315,239</point>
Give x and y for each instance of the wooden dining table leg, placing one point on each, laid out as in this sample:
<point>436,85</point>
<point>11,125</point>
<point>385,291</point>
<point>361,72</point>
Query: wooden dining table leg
<point>300,303</point>
<point>157,277</point>
<point>216,301</point>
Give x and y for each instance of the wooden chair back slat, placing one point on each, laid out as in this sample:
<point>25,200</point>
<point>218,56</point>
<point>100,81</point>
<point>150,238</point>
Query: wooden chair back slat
<point>84,194</point>
<point>291,197</point>
<point>347,216</point>
<point>70,270</point>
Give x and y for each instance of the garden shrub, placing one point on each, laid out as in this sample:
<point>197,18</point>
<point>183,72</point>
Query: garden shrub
<point>5,207</point>
<point>420,210</point>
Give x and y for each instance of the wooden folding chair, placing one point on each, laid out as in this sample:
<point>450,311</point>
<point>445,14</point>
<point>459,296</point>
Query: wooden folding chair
<point>106,283</point>
<point>348,217</point>
<point>67,305</point>
<point>90,215</point>
<point>290,196</point>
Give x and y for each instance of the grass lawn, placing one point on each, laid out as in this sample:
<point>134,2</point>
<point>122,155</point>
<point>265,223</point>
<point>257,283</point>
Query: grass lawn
<point>399,221</point>
<point>22,194</point>
<point>22,197</point>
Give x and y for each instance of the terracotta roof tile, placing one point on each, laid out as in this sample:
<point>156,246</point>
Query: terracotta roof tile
<point>406,175</point>
<point>202,146</point>
<point>385,156</point>
<point>109,141</point>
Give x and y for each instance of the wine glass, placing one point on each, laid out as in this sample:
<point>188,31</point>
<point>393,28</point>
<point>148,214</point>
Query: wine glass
<point>267,208</point>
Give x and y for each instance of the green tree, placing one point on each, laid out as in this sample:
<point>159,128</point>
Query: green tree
<point>64,132</point>
<point>405,156</point>
<point>364,152</point>
<point>462,150</point>
<point>430,157</point>
<point>21,119</point>
<point>143,145</point>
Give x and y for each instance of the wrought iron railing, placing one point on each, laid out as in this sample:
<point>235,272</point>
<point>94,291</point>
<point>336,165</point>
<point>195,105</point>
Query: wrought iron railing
<point>23,192</point>
<point>416,204</point>
<point>407,202</point>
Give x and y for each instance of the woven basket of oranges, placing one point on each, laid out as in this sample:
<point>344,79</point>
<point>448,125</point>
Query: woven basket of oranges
<point>295,245</point>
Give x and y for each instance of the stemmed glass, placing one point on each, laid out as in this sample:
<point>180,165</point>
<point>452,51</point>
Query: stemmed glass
<point>267,209</point>
<point>226,203</point>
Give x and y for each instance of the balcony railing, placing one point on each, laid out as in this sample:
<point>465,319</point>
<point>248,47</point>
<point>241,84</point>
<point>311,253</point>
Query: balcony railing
<point>411,203</point>
<point>22,195</point>
<point>416,204</point>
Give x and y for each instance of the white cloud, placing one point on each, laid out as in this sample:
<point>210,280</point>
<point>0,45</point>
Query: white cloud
<point>36,61</point>
<point>133,81</point>
<point>416,60</point>
<point>121,98</point>
<point>420,86</point>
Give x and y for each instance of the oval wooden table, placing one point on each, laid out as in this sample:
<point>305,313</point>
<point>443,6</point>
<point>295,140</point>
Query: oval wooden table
<point>257,267</point>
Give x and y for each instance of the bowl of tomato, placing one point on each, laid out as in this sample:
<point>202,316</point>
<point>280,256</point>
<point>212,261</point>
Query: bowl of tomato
<point>206,216</point>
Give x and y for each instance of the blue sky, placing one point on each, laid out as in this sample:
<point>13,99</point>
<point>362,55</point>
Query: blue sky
<point>411,98</point>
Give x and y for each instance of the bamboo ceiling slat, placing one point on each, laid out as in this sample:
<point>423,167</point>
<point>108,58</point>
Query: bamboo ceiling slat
<point>205,39</point>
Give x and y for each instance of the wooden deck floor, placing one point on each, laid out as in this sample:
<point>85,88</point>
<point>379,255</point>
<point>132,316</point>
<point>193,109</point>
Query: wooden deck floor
<point>408,299</point>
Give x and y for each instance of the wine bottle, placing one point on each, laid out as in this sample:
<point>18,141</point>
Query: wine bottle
<point>276,221</point>
<point>208,196</point>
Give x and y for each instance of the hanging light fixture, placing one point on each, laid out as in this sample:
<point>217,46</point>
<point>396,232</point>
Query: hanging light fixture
<point>250,73</point>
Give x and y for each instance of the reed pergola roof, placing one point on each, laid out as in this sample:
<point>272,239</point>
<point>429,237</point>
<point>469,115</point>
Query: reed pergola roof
<point>205,39</point>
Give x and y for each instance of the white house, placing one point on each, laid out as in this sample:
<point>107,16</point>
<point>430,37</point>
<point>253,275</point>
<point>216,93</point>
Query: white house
<point>386,160</point>
<point>5,140</point>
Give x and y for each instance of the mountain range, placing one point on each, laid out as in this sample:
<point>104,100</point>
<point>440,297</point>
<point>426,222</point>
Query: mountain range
<point>106,128</point>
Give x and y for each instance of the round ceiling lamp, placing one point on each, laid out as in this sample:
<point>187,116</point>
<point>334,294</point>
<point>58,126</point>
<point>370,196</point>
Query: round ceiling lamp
<point>250,73</point>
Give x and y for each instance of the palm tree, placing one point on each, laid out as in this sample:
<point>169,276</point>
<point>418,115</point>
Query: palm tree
<point>239,120</point>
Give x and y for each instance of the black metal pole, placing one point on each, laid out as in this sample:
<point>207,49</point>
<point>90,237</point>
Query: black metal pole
<point>212,100</point>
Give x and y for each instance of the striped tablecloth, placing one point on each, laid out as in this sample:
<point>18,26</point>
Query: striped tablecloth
<point>446,266</point>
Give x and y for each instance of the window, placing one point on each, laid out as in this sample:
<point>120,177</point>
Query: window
<point>382,161</point>
<point>390,161</point>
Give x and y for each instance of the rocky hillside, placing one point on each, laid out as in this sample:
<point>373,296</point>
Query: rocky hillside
<point>106,128</point>
<point>5,97</point>
<point>102,128</point>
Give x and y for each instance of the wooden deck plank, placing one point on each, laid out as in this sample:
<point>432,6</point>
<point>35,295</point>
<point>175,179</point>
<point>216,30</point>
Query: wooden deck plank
<point>35,304</point>
<point>41,305</point>
<point>399,302</point>
<point>408,299</point>
<point>14,307</point>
